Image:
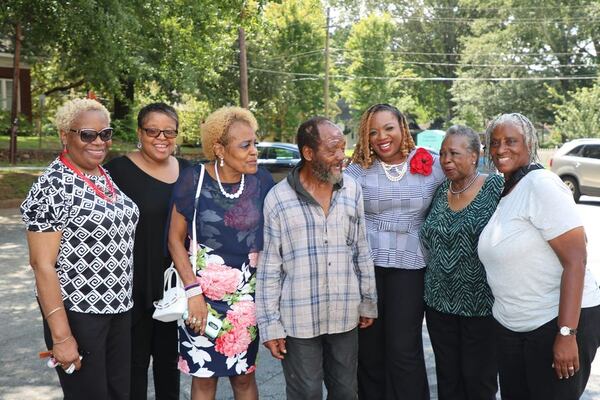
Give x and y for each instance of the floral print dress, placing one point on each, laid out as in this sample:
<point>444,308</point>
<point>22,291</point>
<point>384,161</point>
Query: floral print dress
<point>230,237</point>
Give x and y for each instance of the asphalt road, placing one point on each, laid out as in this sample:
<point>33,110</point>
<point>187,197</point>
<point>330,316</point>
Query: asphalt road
<point>24,376</point>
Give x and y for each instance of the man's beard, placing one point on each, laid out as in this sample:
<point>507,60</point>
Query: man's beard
<point>323,173</point>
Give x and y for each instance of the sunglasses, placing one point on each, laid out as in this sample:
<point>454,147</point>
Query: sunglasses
<point>90,135</point>
<point>153,132</point>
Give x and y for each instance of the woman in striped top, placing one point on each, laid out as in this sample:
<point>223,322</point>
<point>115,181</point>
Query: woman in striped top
<point>398,182</point>
<point>457,296</point>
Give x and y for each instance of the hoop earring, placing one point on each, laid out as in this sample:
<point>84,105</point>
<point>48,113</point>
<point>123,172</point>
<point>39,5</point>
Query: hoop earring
<point>222,163</point>
<point>139,145</point>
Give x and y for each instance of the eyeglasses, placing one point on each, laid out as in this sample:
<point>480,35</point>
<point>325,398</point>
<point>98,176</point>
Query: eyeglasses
<point>89,135</point>
<point>153,132</point>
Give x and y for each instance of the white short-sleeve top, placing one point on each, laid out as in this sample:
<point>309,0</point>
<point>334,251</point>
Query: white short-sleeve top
<point>523,271</point>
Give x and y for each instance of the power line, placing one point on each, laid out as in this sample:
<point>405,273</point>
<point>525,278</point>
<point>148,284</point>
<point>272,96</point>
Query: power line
<point>533,65</point>
<point>510,20</point>
<point>417,53</point>
<point>420,78</point>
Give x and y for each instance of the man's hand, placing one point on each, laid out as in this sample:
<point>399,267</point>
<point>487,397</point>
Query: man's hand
<point>276,347</point>
<point>365,322</point>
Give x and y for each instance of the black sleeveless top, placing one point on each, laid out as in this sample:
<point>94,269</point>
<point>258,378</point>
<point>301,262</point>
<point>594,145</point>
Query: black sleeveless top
<point>150,258</point>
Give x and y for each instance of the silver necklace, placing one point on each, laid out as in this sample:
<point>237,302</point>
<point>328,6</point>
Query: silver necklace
<point>394,172</point>
<point>468,185</point>
<point>223,192</point>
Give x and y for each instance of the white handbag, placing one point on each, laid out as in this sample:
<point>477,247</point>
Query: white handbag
<point>173,303</point>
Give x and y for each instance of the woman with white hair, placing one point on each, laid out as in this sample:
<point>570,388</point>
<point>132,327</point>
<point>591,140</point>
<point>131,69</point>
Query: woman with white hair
<point>546,303</point>
<point>80,231</point>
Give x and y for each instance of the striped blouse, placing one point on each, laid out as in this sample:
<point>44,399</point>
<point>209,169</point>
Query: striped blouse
<point>395,211</point>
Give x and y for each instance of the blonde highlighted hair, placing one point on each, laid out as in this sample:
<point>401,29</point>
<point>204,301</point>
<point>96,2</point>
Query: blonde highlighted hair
<point>70,111</point>
<point>363,155</point>
<point>215,128</point>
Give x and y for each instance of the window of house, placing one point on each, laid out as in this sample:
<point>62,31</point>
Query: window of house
<point>5,94</point>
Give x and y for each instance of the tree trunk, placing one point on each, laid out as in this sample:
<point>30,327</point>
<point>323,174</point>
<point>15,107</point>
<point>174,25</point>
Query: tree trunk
<point>15,97</point>
<point>124,100</point>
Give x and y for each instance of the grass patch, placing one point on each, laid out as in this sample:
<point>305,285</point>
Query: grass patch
<point>16,185</point>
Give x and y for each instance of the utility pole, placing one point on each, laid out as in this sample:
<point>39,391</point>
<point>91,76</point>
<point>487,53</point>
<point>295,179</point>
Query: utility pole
<point>326,88</point>
<point>243,68</point>
<point>12,154</point>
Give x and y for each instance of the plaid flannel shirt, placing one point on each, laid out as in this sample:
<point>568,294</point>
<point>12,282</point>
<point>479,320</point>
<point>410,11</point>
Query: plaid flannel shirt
<point>315,275</point>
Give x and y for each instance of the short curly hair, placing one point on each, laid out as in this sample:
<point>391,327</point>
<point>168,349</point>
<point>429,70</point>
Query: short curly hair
<point>215,128</point>
<point>69,112</point>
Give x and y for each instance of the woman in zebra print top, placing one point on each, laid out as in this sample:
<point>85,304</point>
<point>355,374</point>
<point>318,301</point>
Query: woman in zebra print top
<point>457,297</point>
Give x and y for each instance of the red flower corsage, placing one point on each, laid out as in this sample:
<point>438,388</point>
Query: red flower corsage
<point>421,163</point>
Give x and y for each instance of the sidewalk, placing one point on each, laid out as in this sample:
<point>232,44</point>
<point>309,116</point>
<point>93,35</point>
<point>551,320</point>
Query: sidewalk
<point>24,376</point>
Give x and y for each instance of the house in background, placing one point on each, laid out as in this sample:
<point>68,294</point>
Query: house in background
<point>6,82</point>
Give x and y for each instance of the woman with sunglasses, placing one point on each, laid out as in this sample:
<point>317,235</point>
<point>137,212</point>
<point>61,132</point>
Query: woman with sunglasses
<point>80,231</point>
<point>148,176</point>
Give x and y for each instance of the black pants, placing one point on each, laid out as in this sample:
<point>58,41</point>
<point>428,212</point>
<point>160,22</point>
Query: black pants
<point>329,358</point>
<point>105,342</point>
<point>152,338</point>
<point>465,356</point>
<point>525,360</point>
<point>391,364</point>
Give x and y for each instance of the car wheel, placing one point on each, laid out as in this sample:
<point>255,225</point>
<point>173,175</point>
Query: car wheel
<point>573,186</point>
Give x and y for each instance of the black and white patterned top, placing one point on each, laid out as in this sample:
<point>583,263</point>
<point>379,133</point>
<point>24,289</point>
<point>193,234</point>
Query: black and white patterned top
<point>95,259</point>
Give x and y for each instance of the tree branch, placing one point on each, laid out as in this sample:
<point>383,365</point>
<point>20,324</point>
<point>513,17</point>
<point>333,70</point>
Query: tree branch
<point>63,88</point>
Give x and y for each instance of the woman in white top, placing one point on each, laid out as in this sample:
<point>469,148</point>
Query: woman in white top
<point>534,253</point>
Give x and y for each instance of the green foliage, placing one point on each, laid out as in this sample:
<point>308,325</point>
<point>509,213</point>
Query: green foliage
<point>287,39</point>
<point>579,117</point>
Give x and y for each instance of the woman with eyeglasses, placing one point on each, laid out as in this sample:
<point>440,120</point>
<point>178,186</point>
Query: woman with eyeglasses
<point>80,231</point>
<point>148,177</point>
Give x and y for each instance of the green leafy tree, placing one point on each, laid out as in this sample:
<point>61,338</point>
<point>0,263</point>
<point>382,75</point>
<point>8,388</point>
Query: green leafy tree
<point>371,65</point>
<point>579,117</point>
<point>286,66</point>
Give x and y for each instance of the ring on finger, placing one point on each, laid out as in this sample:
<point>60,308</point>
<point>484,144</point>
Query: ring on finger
<point>71,369</point>
<point>571,368</point>
<point>193,320</point>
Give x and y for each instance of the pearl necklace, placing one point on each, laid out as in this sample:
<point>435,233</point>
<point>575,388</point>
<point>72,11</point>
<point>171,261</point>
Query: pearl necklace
<point>398,169</point>
<point>468,185</point>
<point>223,192</point>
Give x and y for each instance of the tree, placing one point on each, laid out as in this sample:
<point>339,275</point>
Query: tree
<point>285,55</point>
<point>368,61</point>
<point>523,41</point>
<point>579,117</point>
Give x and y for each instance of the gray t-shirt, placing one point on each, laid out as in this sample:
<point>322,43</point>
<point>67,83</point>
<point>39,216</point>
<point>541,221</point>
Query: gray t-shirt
<point>522,270</point>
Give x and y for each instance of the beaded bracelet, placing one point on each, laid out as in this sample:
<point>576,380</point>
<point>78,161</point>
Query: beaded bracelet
<point>192,292</point>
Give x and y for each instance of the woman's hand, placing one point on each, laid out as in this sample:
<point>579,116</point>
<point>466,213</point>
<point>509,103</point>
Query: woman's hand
<point>566,356</point>
<point>197,313</point>
<point>67,353</point>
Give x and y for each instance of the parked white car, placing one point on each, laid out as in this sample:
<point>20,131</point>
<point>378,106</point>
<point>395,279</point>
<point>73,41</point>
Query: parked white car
<point>578,164</point>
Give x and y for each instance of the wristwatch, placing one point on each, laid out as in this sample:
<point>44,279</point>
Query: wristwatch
<point>566,331</point>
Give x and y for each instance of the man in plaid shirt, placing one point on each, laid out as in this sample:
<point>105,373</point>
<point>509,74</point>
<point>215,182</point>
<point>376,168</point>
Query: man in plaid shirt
<point>315,278</point>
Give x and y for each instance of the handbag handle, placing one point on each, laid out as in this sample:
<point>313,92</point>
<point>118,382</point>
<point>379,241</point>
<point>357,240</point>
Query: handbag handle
<point>171,279</point>
<point>194,235</point>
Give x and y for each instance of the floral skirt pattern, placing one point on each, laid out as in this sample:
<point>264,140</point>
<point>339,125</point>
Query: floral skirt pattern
<point>229,294</point>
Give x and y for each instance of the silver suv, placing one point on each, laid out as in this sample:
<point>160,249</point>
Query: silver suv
<point>578,164</point>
